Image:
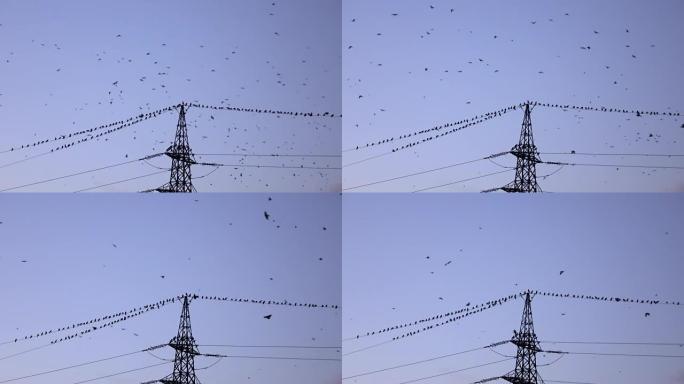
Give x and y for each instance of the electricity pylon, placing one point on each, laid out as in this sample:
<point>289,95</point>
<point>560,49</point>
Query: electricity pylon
<point>186,350</point>
<point>181,159</point>
<point>528,157</point>
<point>528,346</point>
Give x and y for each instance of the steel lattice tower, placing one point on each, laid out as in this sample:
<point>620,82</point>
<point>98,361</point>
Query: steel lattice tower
<point>181,159</point>
<point>186,350</point>
<point>528,157</point>
<point>528,346</point>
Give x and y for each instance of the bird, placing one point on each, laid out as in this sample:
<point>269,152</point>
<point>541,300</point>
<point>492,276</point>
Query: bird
<point>266,215</point>
<point>114,245</point>
<point>647,314</point>
<point>268,317</point>
<point>561,272</point>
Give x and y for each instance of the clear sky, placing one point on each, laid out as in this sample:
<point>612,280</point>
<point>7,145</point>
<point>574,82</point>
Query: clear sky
<point>89,256</point>
<point>483,247</point>
<point>70,66</point>
<point>411,65</point>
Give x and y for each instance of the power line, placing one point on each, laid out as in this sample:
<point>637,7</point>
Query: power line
<point>81,172</point>
<point>462,180</point>
<point>615,165</point>
<point>613,154</point>
<point>455,371</point>
<point>425,171</point>
<point>269,346</point>
<point>25,159</point>
<point>73,366</point>
<point>24,352</point>
<point>366,159</point>
<point>368,347</point>
<point>263,155</point>
<point>615,343</point>
<point>121,373</point>
<point>120,181</point>
<point>617,354</point>
<point>417,362</point>
<point>282,358</point>
<point>266,166</point>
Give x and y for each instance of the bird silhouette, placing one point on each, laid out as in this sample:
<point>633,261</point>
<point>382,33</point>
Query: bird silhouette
<point>268,317</point>
<point>266,215</point>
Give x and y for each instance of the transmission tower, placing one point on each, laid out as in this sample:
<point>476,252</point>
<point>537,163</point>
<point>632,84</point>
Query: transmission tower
<point>528,346</point>
<point>528,157</point>
<point>181,159</point>
<point>186,350</point>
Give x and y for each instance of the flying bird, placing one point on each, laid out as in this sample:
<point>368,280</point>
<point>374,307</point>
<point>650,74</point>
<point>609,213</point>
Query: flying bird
<point>268,317</point>
<point>266,215</point>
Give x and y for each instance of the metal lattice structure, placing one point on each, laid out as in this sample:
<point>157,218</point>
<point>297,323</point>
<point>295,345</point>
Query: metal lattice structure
<point>528,157</point>
<point>181,159</point>
<point>186,350</point>
<point>525,371</point>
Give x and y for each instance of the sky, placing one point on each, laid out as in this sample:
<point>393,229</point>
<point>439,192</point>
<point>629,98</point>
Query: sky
<point>69,258</point>
<point>72,66</point>
<point>403,252</point>
<point>409,66</point>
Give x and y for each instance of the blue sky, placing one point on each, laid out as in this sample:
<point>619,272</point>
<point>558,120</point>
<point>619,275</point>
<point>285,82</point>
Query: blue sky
<point>88,256</point>
<point>483,247</point>
<point>72,66</point>
<point>409,66</point>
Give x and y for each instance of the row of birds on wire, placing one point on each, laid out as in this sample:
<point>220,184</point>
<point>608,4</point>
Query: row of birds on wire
<point>417,142</point>
<point>124,315</point>
<point>472,309</point>
<point>118,125</point>
<point>269,302</point>
<point>444,322</point>
<point>498,112</point>
<point>268,111</point>
<point>488,115</point>
<point>119,315</point>
<point>106,325</point>
<point>614,299</point>
<point>138,118</point>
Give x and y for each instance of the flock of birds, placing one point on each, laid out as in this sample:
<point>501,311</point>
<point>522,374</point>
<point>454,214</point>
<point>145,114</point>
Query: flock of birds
<point>157,71</point>
<point>80,329</point>
<point>606,57</point>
